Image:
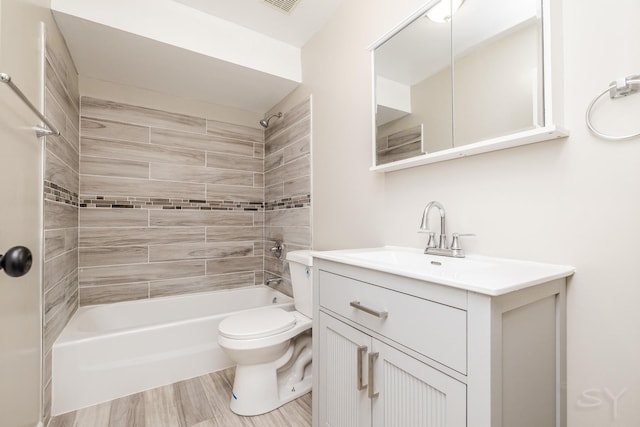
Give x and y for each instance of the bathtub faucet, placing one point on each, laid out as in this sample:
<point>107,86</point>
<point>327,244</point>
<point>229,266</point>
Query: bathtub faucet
<point>277,249</point>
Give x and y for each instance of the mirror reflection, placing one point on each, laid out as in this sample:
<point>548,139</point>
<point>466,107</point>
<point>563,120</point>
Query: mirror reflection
<point>441,71</point>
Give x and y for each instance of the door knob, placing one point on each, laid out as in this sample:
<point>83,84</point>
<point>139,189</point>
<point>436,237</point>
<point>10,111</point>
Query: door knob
<point>17,261</point>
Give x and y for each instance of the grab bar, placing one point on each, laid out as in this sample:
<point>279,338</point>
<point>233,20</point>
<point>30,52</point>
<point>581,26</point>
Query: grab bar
<point>50,129</point>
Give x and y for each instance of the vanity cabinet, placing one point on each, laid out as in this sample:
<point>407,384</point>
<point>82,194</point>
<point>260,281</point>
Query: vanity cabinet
<point>394,351</point>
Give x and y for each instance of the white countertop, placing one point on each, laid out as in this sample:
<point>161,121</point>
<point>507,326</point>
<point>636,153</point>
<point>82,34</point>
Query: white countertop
<point>485,275</point>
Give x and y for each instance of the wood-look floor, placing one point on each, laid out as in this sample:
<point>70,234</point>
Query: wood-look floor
<point>201,402</point>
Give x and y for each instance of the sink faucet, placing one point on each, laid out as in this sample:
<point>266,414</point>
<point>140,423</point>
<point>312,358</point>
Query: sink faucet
<point>441,248</point>
<point>424,226</point>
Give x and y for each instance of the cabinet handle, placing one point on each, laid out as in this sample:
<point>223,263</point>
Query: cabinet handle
<point>379,314</point>
<point>372,360</point>
<point>361,351</point>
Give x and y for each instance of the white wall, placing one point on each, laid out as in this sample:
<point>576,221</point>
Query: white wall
<point>21,210</point>
<point>573,201</point>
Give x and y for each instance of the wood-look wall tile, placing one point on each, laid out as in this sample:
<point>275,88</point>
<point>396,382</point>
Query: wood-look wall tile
<point>199,251</point>
<point>59,215</point>
<point>112,255</point>
<point>113,167</point>
<point>294,133</point>
<point>298,217</point>
<point>258,150</point>
<point>297,149</point>
<point>58,55</point>
<point>291,235</point>
<point>294,115</point>
<point>107,129</point>
<point>201,142</point>
<point>274,266</point>
<point>163,288</point>
<point>233,265</point>
<point>59,92</point>
<point>258,248</point>
<point>108,294</point>
<point>200,174</point>
<point>297,187</point>
<point>125,150</point>
<point>54,112</point>
<point>59,267</point>
<point>181,218</point>
<point>92,237</point>
<point>132,273</point>
<point>235,193</point>
<point>64,151</point>
<point>59,173</point>
<point>273,160</point>
<point>225,130</point>
<point>258,219</point>
<point>286,172</point>
<point>108,217</point>
<point>58,241</point>
<point>274,192</point>
<point>72,135</point>
<point>258,180</point>
<point>234,234</point>
<point>113,186</point>
<point>109,110</point>
<point>57,296</point>
<point>241,163</point>
<point>56,323</point>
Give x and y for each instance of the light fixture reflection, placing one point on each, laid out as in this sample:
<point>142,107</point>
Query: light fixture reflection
<point>443,10</point>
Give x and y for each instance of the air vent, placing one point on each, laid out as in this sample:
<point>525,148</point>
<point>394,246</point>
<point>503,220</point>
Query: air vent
<point>282,5</point>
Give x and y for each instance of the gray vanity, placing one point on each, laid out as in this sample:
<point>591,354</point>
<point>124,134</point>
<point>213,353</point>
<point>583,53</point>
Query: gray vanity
<point>407,339</point>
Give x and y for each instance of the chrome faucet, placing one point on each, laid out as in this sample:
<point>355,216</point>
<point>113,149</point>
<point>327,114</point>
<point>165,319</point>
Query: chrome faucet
<point>424,226</point>
<point>441,248</point>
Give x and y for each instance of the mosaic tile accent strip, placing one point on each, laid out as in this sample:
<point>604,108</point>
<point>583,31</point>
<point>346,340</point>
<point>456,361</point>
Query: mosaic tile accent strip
<point>159,203</point>
<point>57,193</point>
<point>192,204</point>
<point>289,203</point>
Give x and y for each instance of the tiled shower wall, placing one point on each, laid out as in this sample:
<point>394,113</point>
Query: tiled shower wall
<point>60,277</point>
<point>287,188</point>
<point>170,204</point>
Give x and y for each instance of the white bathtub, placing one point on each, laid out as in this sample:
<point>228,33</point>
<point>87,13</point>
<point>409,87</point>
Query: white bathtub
<point>110,351</point>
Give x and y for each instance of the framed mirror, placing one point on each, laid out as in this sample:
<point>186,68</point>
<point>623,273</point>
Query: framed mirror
<point>473,75</point>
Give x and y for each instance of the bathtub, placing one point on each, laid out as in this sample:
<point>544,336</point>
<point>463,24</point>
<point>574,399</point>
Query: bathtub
<point>110,351</point>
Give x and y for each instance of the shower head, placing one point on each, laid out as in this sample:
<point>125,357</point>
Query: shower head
<point>265,122</point>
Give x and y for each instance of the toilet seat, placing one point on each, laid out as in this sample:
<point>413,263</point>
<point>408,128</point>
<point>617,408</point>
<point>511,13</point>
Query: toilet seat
<point>257,324</point>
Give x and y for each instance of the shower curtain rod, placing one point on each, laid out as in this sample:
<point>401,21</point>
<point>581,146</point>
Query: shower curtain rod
<point>50,129</point>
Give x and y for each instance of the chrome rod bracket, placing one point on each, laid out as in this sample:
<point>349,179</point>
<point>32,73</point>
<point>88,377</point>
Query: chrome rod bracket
<point>49,128</point>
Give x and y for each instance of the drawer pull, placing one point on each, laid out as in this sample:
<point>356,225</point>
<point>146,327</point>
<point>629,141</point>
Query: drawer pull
<point>372,360</point>
<point>361,351</point>
<point>379,314</point>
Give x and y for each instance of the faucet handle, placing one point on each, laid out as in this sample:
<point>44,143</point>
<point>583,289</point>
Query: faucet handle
<point>455,241</point>
<point>431,242</point>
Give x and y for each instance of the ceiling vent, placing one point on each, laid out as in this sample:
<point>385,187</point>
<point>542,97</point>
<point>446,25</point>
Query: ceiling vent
<point>282,5</point>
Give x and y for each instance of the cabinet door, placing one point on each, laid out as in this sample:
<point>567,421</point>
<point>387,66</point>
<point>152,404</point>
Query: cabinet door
<point>412,394</point>
<point>343,402</point>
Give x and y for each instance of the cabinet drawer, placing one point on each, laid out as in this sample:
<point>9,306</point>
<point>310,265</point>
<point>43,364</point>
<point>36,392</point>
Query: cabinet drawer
<point>435,330</point>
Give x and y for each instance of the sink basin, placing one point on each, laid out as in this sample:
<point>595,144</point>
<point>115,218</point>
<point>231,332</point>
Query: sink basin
<point>486,275</point>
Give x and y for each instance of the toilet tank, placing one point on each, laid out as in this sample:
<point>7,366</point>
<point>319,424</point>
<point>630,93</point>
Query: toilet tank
<point>300,263</point>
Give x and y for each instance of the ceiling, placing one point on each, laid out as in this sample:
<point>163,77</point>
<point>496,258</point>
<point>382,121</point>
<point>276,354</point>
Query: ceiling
<point>243,54</point>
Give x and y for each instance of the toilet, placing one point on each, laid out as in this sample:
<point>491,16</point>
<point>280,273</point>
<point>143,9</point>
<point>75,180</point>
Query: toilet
<point>272,347</point>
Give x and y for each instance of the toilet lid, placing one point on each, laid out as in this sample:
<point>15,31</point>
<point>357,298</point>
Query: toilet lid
<point>257,324</point>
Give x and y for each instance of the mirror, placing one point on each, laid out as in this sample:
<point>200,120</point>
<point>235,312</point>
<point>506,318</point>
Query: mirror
<point>472,80</point>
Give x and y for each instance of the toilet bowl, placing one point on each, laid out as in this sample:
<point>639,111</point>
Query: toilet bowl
<point>272,347</point>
